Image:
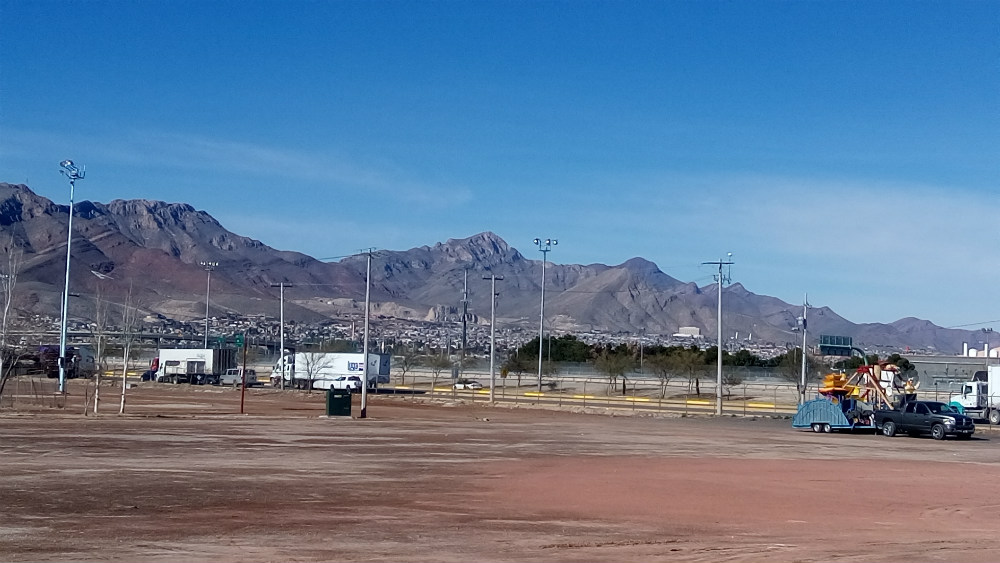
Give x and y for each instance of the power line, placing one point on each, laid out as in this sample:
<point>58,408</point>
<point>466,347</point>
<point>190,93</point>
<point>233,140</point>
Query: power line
<point>974,324</point>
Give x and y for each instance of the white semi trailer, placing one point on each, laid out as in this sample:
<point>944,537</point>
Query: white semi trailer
<point>318,370</point>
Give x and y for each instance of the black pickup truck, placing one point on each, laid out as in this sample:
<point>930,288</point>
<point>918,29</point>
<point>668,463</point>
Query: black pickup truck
<point>925,417</point>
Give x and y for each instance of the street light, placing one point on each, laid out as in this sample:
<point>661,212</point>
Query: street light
<point>802,383</point>
<point>988,332</point>
<point>493,334</point>
<point>722,279</point>
<point>281,338</point>
<point>209,266</point>
<point>70,170</point>
<point>368,285</point>
<point>544,246</point>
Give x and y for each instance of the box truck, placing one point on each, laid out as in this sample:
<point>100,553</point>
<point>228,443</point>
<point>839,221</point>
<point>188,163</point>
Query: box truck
<point>200,366</point>
<point>318,370</point>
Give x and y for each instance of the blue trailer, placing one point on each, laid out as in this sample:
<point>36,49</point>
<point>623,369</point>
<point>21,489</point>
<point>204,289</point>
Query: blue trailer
<point>826,414</point>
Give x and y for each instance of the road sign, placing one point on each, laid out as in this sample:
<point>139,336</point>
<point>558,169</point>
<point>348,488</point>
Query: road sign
<point>835,345</point>
<point>239,340</point>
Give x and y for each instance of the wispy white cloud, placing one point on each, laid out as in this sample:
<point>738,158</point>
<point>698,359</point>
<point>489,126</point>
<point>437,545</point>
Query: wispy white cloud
<point>178,151</point>
<point>873,249</point>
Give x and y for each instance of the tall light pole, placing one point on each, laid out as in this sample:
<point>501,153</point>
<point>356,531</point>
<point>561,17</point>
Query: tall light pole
<point>802,383</point>
<point>209,266</point>
<point>281,322</point>
<point>988,332</point>
<point>364,351</point>
<point>642,336</point>
<point>544,246</point>
<point>465,317</point>
<point>722,279</point>
<point>74,173</point>
<point>493,334</point>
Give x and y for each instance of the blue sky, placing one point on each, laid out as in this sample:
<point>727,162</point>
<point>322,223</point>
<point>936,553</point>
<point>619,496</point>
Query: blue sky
<point>844,149</point>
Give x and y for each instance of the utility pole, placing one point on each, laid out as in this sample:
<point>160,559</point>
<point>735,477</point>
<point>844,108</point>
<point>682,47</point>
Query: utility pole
<point>465,317</point>
<point>368,285</point>
<point>209,266</point>
<point>722,279</point>
<point>74,173</point>
<point>642,336</point>
<point>281,337</point>
<point>802,383</point>
<point>544,246</point>
<point>493,334</point>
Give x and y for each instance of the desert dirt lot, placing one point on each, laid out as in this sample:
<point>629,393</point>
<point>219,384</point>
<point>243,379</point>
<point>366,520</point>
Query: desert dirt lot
<point>184,477</point>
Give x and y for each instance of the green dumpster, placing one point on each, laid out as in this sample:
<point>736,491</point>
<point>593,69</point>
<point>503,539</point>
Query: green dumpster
<point>338,402</point>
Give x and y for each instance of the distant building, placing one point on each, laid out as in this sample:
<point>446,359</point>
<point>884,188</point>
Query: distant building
<point>688,332</point>
<point>986,352</point>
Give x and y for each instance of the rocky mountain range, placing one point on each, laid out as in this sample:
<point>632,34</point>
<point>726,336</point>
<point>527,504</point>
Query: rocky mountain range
<point>155,250</point>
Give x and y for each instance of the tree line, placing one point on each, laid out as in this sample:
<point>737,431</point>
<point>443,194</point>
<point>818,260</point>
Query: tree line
<point>620,361</point>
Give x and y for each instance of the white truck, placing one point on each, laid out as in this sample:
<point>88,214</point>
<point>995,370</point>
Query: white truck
<point>980,398</point>
<point>319,370</point>
<point>234,377</point>
<point>199,366</point>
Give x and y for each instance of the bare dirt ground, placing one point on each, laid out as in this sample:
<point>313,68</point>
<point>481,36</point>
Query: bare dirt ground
<point>184,477</point>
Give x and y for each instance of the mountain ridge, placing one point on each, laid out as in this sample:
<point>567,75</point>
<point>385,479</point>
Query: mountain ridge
<point>158,247</point>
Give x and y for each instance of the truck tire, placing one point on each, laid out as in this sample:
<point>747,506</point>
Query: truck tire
<point>994,417</point>
<point>889,428</point>
<point>937,432</point>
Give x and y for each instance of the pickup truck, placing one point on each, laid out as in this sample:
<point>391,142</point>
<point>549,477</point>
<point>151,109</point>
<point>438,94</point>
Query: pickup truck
<point>925,417</point>
<point>347,383</point>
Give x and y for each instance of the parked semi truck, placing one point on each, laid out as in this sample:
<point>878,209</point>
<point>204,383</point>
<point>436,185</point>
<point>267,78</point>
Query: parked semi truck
<point>319,370</point>
<point>202,366</point>
<point>80,361</point>
<point>980,398</point>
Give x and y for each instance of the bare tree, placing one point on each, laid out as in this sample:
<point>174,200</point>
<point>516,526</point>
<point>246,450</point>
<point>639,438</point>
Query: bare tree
<point>662,367</point>
<point>407,360</point>
<point>614,366</point>
<point>790,368</point>
<point>312,364</point>
<point>731,379</point>
<point>8,277</point>
<point>437,365</point>
<point>100,332</point>
<point>514,364</point>
<point>692,364</point>
<point>130,325</point>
